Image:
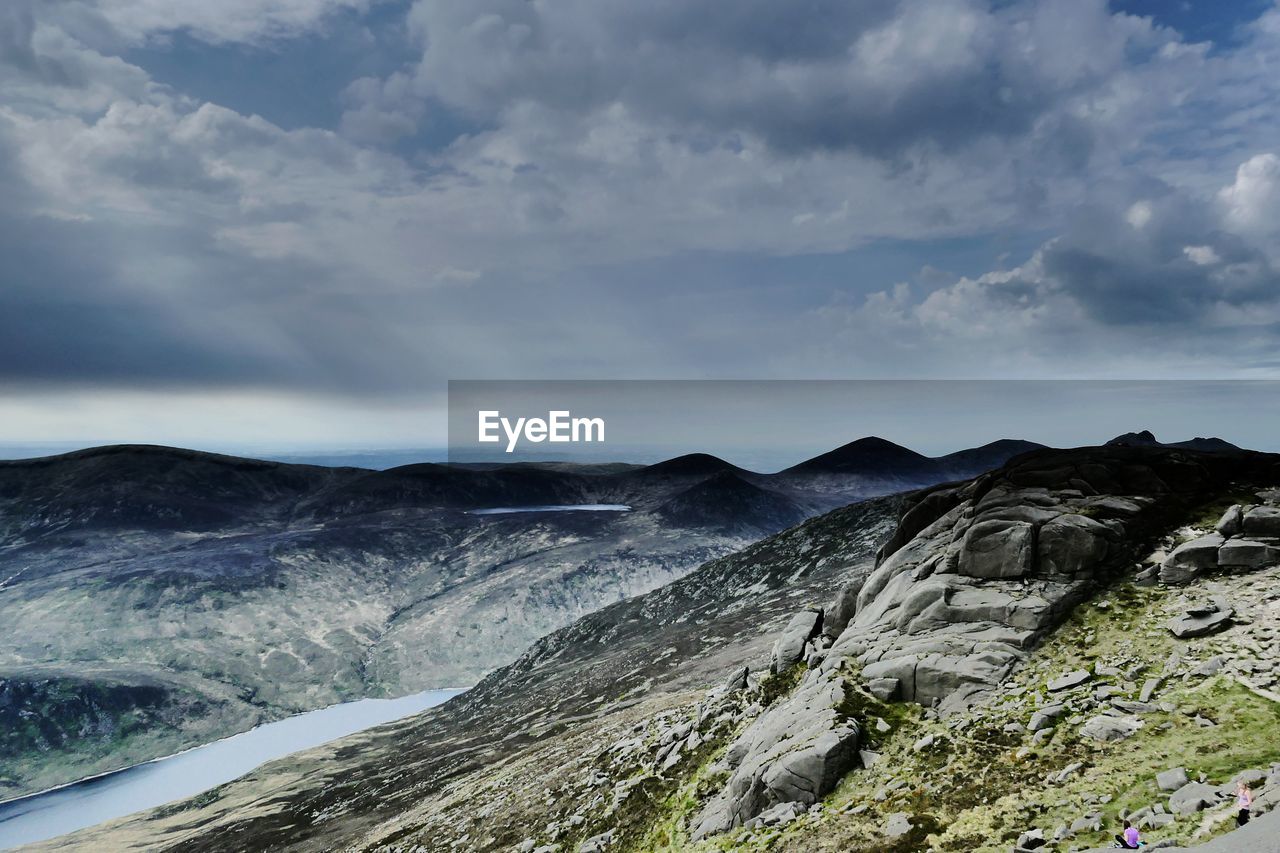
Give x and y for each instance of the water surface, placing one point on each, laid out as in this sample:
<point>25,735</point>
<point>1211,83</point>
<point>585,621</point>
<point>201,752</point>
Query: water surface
<point>143,786</point>
<point>502,510</point>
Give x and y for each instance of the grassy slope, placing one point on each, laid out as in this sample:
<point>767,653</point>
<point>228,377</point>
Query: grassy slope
<point>981,786</point>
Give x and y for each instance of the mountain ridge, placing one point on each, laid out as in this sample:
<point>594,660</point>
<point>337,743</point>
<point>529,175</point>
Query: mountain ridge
<point>616,704</point>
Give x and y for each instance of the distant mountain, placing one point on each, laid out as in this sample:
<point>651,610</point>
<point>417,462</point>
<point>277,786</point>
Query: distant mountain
<point>877,467</point>
<point>224,591</point>
<point>975,460</point>
<point>1146,438</point>
<point>869,456</point>
<point>690,465</point>
<point>728,503</point>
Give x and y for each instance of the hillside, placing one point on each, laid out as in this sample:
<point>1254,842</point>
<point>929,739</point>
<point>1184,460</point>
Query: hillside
<point>156,598</point>
<point>1027,652</point>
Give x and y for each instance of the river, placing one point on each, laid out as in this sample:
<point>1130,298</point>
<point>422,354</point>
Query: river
<point>91,801</point>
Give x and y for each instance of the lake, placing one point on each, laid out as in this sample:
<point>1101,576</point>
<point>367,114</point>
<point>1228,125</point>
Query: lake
<point>91,801</point>
<point>502,510</point>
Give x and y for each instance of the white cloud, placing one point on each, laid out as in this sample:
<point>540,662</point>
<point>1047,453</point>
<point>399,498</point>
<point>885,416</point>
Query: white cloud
<point>1101,300</point>
<point>1252,201</point>
<point>1201,255</point>
<point>1139,214</point>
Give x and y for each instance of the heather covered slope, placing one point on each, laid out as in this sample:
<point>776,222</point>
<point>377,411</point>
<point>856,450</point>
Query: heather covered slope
<point>1008,667</point>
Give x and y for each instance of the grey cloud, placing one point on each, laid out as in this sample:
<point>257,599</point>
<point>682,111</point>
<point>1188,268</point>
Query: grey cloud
<point>17,48</point>
<point>163,242</point>
<point>876,78</point>
<point>1165,283</point>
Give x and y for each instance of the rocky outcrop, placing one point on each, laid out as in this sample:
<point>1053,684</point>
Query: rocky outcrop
<point>974,576</point>
<point>993,564</point>
<point>1245,538</point>
<point>795,752</point>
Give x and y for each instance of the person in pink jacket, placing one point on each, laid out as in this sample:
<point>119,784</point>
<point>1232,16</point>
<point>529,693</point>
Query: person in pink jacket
<point>1129,839</point>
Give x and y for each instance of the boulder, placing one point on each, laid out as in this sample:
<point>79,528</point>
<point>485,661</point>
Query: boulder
<point>789,649</point>
<point>1105,727</point>
<point>1230,523</point>
<point>840,610</point>
<point>1032,839</point>
<point>1045,717</point>
<point>997,549</point>
<point>1248,554</point>
<point>1191,558</point>
<point>737,680</point>
<point>1171,780</point>
<point>884,689</point>
<point>779,815</point>
<point>1071,544</point>
<point>1261,521</point>
<point>1192,797</point>
<point>1210,667</point>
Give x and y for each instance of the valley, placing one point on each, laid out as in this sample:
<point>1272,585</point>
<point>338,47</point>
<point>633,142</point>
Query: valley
<point>156,599</point>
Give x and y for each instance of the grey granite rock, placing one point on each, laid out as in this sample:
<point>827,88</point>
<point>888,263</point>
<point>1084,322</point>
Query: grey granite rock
<point>1190,559</point>
<point>998,549</point>
<point>797,751</point>
<point>1107,728</point>
<point>1230,523</point>
<point>1187,625</point>
<point>1261,521</point>
<point>1172,779</point>
<point>1069,680</point>
<point>1192,797</point>
<point>789,648</point>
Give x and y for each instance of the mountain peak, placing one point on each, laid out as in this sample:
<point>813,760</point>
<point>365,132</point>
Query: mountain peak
<point>870,455</point>
<point>1146,438</point>
<point>691,464</point>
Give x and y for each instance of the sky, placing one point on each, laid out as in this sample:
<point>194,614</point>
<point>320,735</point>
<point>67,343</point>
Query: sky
<point>288,223</point>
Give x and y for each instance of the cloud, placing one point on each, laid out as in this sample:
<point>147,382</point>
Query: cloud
<point>1252,202</point>
<point>240,21</point>
<point>1176,274</point>
<point>381,111</point>
<point>877,78</point>
<point>559,189</point>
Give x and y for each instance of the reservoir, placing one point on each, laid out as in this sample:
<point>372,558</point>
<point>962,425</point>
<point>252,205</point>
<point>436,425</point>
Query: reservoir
<point>143,786</point>
<point>503,510</point>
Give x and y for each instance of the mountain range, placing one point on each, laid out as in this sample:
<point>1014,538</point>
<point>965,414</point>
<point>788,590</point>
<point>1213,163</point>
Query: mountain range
<point>1015,661</point>
<point>156,598</point>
